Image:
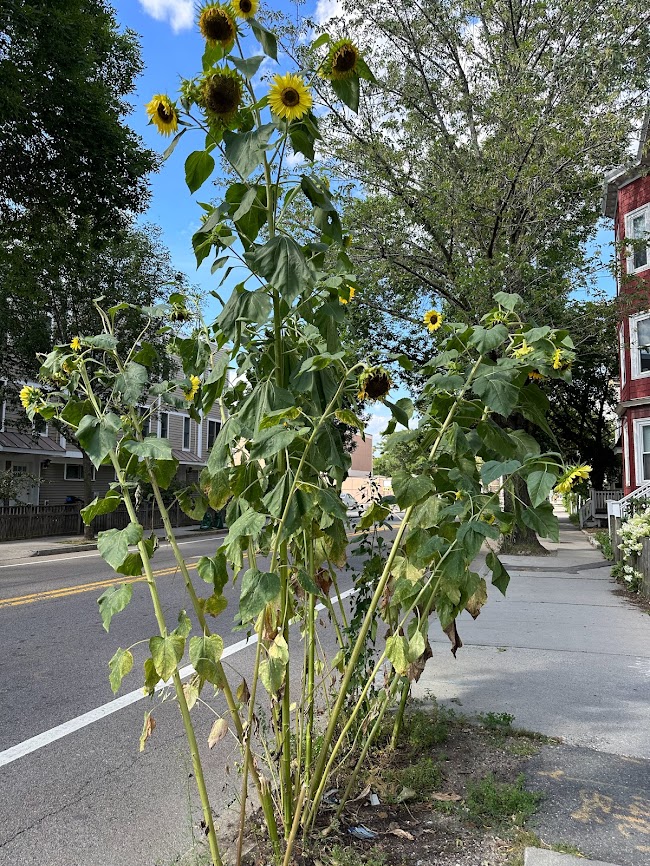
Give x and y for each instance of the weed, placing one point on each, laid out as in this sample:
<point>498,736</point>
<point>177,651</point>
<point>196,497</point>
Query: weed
<point>340,856</point>
<point>424,730</point>
<point>490,801</point>
<point>523,748</point>
<point>423,777</point>
<point>603,538</point>
<point>496,721</point>
<point>527,839</point>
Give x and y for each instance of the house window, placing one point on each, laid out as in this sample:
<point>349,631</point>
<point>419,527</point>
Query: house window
<point>186,433</point>
<point>213,430</point>
<point>164,425</point>
<point>75,472</point>
<point>637,231</point>
<point>640,345</point>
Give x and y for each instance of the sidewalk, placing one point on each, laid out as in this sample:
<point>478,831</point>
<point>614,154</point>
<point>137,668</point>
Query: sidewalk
<point>15,551</point>
<point>568,658</point>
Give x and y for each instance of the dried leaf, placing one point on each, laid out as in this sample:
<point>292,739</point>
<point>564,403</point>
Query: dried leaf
<point>147,729</point>
<point>446,798</point>
<point>406,794</point>
<point>218,732</point>
<point>476,601</point>
<point>192,690</point>
<point>416,668</point>
<point>323,580</point>
<point>362,796</point>
<point>243,694</point>
<point>403,834</point>
<point>452,633</point>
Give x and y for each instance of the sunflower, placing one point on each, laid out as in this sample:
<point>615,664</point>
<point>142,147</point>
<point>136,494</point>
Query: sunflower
<point>194,387</point>
<point>571,476</point>
<point>75,345</point>
<point>32,399</point>
<point>351,294</point>
<point>221,95</point>
<point>289,97</point>
<point>560,360</point>
<point>342,61</point>
<point>535,374</point>
<point>163,114</point>
<point>218,26</point>
<point>374,383</point>
<point>433,320</point>
<point>522,351</point>
<point>245,8</point>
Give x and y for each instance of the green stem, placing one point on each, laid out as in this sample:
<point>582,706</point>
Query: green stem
<point>399,715</point>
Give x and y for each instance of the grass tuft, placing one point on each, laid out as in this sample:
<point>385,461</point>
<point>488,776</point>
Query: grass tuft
<point>489,801</point>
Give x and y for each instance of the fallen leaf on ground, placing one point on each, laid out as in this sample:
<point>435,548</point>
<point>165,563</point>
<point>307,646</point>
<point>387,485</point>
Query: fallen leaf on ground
<point>403,834</point>
<point>444,798</point>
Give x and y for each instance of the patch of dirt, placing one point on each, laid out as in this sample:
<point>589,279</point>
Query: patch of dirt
<point>634,598</point>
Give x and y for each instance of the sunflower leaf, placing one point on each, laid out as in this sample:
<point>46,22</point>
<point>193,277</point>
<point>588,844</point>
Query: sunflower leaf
<point>244,150</point>
<point>199,165</point>
<point>248,66</point>
<point>266,39</point>
<point>347,90</point>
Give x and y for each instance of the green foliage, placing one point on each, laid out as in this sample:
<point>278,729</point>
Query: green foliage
<point>496,721</point>
<point>501,803</point>
<point>603,538</point>
<point>424,730</point>
<point>424,777</point>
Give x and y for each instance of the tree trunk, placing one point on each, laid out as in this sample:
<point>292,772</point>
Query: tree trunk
<point>522,540</point>
<point>89,532</point>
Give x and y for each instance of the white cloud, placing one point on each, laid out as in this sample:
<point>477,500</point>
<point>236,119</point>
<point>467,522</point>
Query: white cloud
<point>179,13</point>
<point>375,426</point>
<point>326,9</point>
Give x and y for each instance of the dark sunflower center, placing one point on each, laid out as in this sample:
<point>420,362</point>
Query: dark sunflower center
<point>164,113</point>
<point>290,97</point>
<point>245,6</point>
<point>217,26</point>
<point>377,385</point>
<point>345,59</point>
<point>223,96</point>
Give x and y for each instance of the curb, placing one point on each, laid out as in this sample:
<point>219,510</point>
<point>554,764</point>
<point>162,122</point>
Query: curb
<point>544,857</point>
<point>77,548</point>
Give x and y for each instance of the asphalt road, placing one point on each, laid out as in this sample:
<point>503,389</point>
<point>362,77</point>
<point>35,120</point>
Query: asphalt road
<point>91,798</point>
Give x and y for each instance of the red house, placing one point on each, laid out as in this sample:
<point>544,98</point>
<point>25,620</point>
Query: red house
<point>626,199</point>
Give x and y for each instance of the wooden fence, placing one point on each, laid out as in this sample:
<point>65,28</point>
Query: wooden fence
<point>39,521</point>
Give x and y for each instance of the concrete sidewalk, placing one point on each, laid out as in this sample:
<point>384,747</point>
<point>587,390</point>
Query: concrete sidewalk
<point>568,658</point>
<point>16,551</point>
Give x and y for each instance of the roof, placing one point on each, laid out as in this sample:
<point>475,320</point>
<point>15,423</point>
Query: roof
<point>25,443</point>
<point>187,458</point>
<point>621,175</point>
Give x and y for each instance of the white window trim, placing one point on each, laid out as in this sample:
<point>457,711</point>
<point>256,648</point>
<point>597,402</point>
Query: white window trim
<point>622,354</point>
<point>635,366</point>
<point>65,472</point>
<point>626,454</point>
<point>187,447</point>
<point>629,259</point>
<point>638,425</point>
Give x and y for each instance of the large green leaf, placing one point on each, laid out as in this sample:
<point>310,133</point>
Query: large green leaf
<point>99,436</point>
<point>348,91</point>
<point>244,306</point>
<point>113,601</point>
<point>244,150</point>
<point>257,590</point>
<point>540,484</point>
<point>213,570</point>
<point>113,544</point>
<point>265,37</point>
<point>397,653</point>
<point>542,520</point>
<point>269,442</point>
<point>205,652</point>
<point>410,489</point>
<point>130,384</point>
<point>166,653</point>
<point>494,469</point>
<point>199,165</point>
<point>472,535</point>
<point>119,666</point>
<point>248,66</point>
<point>487,339</point>
<point>98,506</point>
<point>152,447</point>
<point>282,263</point>
<point>496,389</point>
<point>250,523</point>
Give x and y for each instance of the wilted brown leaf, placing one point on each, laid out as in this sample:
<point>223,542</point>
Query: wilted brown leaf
<point>452,633</point>
<point>243,694</point>
<point>218,732</point>
<point>147,729</point>
<point>476,601</point>
<point>403,834</point>
<point>446,798</point>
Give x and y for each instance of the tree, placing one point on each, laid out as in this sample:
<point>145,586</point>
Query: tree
<point>480,153</point>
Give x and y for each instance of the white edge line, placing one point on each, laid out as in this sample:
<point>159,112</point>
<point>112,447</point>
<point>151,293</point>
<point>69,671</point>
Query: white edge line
<point>25,748</point>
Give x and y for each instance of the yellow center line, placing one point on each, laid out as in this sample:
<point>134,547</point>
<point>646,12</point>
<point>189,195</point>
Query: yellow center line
<point>77,589</point>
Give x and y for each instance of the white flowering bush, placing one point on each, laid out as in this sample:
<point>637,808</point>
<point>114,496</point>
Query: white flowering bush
<point>632,534</point>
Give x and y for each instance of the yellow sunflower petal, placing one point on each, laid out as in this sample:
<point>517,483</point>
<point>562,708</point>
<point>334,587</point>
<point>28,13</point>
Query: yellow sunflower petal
<point>289,97</point>
<point>162,112</point>
<point>245,8</point>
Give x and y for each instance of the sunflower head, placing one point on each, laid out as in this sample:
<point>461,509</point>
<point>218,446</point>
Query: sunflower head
<point>571,477</point>
<point>218,26</point>
<point>561,361</point>
<point>342,61</point>
<point>522,351</point>
<point>193,387</point>
<point>162,112</point>
<point>221,95</point>
<point>374,384</point>
<point>348,294</point>
<point>32,400</point>
<point>75,345</point>
<point>536,375</point>
<point>433,320</point>
<point>245,8</point>
<point>289,97</point>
